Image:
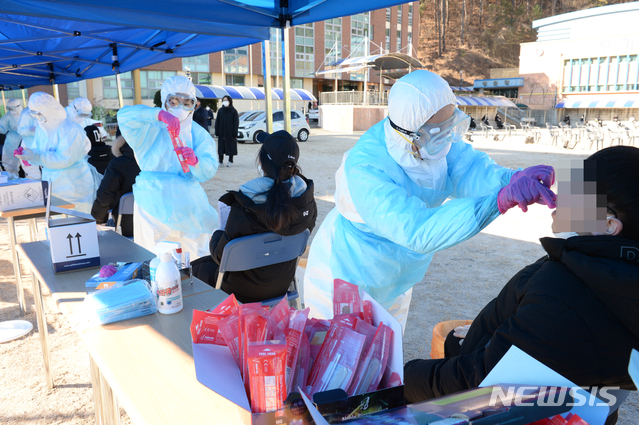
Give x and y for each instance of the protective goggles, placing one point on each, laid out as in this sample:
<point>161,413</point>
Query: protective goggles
<point>37,116</point>
<point>435,137</point>
<point>81,114</point>
<point>13,108</point>
<point>180,101</point>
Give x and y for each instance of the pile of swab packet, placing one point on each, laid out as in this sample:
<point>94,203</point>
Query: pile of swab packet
<point>281,349</point>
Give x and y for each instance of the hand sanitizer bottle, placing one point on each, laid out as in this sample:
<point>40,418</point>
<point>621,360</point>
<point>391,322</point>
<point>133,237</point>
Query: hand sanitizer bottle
<point>169,289</point>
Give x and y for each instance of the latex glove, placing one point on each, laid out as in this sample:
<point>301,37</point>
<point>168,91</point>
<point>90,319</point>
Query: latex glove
<point>188,154</point>
<point>32,129</point>
<point>20,151</point>
<point>461,331</point>
<point>172,122</point>
<point>524,191</point>
<point>108,271</point>
<point>543,173</point>
<point>25,154</point>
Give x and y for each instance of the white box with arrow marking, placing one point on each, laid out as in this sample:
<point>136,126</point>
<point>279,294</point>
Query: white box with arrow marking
<point>73,240</point>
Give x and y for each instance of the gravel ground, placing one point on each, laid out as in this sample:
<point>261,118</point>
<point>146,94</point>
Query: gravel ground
<point>458,284</point>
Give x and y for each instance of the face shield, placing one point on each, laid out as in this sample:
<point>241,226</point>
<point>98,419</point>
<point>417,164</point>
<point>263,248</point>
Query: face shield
<point>81,114</point>
<point>436,137</point>
<point>37,116</point>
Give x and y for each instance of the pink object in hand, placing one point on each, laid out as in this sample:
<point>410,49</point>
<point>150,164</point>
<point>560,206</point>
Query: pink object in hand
<point>172,122</point>
<point>108,271</point>
<point>189,155</point>
<point>20,151</point>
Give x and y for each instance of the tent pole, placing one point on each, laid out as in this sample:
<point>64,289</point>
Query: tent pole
<point>250,64</point>
<point>4,103</point>
<point>268,101</point>
<point>223,79</point>
<point>366,47</point>
<point>24,98</point>
<point>286,76</point>
<point>56,94</point>
<point>335,46</point>
<point>119,84</point>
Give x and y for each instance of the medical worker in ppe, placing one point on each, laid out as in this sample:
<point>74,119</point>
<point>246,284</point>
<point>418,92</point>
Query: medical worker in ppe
<point>390,216</point>
<point>170,205</point>
<point>81,111</point>
<point>26,129</point>
<point>60,147</point>
<point>9,126</point>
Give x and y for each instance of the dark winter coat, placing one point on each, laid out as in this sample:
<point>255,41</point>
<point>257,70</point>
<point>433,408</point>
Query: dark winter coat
<point>118,179</point>
<point>226,126</point>
<point>574,310</point>
<point>248,218</point>
<point>100,156</point>
<point>200,116</point>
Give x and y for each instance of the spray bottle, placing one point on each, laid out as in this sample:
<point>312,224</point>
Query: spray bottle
<point>169,289</point>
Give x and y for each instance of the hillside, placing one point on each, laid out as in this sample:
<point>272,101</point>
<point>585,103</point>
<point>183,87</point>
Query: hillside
<point>492,31</point>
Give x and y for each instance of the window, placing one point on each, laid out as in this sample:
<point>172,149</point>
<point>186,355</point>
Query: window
<point>304,56</point>
<point>73,90</point>
<point>234,80</point>
<point>110,86</point>
<point>236,61</point>
<point>399,15</point>
<point>410,15</point>
<point>388,14</point>
<point>601,74</point>
<point>333,39</point>
<point>399,40</point>
<point>387,40</point>
<point>278,116</point>
<point>276,53</point>
<point>410,43</point>
<point>196,63</point>
<point>151,82</point>
<point>201,78</point>
<point>360,28</point>
<point>294,115</point>
<point>297,83</point>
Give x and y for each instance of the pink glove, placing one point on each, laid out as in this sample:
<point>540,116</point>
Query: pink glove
<point>172,122</point>
<point>524,191</point>
<point>20,151</point>
<point>543,173</point>
<point>188,154</point>
<point>108,271</point>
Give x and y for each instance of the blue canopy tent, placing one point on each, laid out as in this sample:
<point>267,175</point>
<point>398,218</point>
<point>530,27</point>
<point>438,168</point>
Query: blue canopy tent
<point>210,17</point>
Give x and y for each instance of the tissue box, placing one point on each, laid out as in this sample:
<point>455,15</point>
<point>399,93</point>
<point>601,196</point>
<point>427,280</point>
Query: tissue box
<point>126,271</point>
<point>23,193</point>
<point>215,367</point>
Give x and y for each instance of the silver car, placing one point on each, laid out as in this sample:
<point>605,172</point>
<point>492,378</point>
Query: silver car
<point>255,123</point>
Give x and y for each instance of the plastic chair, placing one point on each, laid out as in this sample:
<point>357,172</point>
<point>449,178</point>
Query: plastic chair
<point>124,207</point>
<point>263,249</point>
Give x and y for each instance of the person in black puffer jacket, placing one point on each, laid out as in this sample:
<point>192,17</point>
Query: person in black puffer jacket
<point>574,310</point>
<point>282,202</point>
<point>100,154</point>
<point>118,180</point>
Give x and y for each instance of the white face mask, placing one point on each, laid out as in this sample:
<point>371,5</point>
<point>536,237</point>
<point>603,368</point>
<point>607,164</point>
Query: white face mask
<point>439,155</point>
<point>225,103</point>
<point>180,113</point>
<point>208,108</point>
<point>565,235</point>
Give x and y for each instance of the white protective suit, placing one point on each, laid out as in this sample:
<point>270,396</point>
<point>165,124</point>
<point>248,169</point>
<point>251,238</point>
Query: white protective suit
<point>60,146</point>
<point>27,128</point>
<point>170,205</point>
<point>83,106</point>
<point>9,126</point>
<point>390,216</point>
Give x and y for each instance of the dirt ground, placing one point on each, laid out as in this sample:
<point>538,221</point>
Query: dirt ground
<point>459,282</point>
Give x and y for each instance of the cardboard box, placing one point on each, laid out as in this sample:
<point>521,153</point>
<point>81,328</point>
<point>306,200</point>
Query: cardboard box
<point>126,271</point>
<point>216,368</point>
<point>23,193</point>
<point>73,240</point>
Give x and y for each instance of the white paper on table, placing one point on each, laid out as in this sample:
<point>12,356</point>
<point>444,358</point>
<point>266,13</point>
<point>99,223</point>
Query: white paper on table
<point>224,211</point>
<point>633,367</point>
<point>517,367</point>
<point>315,414</point>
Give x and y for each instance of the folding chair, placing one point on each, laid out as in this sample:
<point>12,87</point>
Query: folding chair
<point>124,207</point>
<point>263,249</point>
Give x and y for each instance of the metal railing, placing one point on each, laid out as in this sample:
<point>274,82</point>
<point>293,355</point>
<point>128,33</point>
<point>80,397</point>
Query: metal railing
<point>373,98</point>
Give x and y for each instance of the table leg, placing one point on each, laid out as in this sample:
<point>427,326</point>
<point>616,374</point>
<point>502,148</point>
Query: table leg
<point>107,410</point>
<point>16,265</point>
<point>42,328</point>
<point>33,229</point>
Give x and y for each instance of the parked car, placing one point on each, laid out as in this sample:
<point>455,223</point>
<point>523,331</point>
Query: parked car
<point>254,124</point>
<point>313,114</point>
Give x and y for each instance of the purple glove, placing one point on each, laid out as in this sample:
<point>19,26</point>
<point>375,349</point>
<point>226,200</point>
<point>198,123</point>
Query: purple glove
<point>172,122</point>
<point>108,271</point>
<point>524,191</point>
<point>543,173</point>
<point>188,154</point>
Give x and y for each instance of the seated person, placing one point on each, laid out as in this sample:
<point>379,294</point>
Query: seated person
<point>574,310</point>
<point>100,154</point>
<point>282,202</point>
<point>118,180</point>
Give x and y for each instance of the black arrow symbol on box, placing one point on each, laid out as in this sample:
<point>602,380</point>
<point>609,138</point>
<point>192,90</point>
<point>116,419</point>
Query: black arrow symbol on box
<point>78,236</point>
<point>69,237</point>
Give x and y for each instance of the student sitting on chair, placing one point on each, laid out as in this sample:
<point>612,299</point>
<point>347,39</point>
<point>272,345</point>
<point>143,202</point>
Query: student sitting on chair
<point>281,201</point>
<point>574,310</point>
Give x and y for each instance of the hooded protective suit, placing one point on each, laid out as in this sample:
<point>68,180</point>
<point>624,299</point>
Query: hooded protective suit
<point>81,106</point>
<point>26,128</point>
<point>60,147</point>
<point>170,204</point>
<point>388,218</point>
<point>9,126</point>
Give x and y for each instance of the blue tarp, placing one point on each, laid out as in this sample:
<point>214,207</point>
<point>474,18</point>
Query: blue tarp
<point>36,51</point>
